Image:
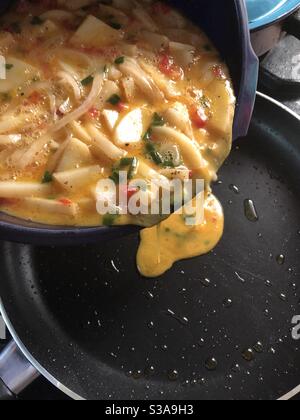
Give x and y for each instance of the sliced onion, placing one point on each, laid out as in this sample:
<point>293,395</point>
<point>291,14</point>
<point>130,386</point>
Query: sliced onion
<point>85,107</point>
<point>65,107</point>
<point>67,78</point>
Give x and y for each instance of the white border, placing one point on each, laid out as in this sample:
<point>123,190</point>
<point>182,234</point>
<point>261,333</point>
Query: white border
<point>62,387</point>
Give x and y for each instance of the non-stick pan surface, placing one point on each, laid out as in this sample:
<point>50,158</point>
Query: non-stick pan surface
<point>104,332</point>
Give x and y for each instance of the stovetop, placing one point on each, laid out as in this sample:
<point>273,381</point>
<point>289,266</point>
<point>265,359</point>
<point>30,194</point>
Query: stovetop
<point>280,79</point>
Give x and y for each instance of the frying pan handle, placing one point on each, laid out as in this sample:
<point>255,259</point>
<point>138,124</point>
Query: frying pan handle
<point>249,81</point>
<point>16,373</point>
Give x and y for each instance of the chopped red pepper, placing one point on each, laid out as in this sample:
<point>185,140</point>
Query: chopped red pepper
<point>34,98</point>
<point>94,112</point>
<point>121,106</point>
<point>65,202</point>
<point>166,66</point>
<point>129,191</point>
<point>198,117</point>
<point>8,201</point>
<point>218,72</point>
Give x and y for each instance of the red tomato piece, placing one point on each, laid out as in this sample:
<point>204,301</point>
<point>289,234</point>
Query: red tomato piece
<point>166,66</point>
<point>65,202</point>
<point>198,117</point>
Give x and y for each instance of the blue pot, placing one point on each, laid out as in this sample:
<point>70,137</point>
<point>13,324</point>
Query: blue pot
<point>226,23</point>
<point>263,13</point>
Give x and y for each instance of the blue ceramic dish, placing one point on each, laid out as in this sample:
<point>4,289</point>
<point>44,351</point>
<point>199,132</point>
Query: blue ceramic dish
<point>226,23</point>
<point>263,13</point>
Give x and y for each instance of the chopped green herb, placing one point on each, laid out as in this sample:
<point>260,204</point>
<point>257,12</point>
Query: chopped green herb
<point>114,100</point>
<point>115,25</point>
<point>105,69</point>
<point>36,20</point>
<point>115,177</point>
<point>132,168</point>
<point>130,164</point>
<point>9,66</point>
<point>119,60</point>
<point>47,178</point>
<point>157,120</point>
<point>110,219</point>
<point>87,81</point>
<point>147,135</point>
<point>153,153</point>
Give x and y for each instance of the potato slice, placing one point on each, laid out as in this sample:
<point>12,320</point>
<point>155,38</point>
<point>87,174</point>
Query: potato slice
<point>95,34</point>
<point>184,54</point>
<point>129,88</point>
<point>12,189</point>
<point>130,129</point>
<point>78,178</point>
<point>157,41</point>
<point>19,72</point>
<point>189,148</point>
<point>111,118</point>
<point>76,155</point>
<point>222,99</point>
<point>51,206</point>
<point>178,116</point>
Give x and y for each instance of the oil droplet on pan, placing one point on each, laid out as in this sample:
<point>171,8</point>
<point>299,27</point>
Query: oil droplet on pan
<point>248,355</point>
<point>258,347</point>
<point>206,282</point>
<point>280,259</point>
<point>211,364</point>
<point>227,303</point>
<point>234,188</point>
<point>173,375</point>
<point>250,211</point>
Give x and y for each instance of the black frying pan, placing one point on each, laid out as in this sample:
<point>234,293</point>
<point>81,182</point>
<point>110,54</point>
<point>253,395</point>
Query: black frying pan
<point>86,318</point>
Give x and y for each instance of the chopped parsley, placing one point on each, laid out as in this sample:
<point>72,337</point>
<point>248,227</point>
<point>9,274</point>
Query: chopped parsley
<point>151,147</point>
<point>87,81</point>
<point>47,178</point>
<point>157,120</point>
<point>153,153</point>
<point>105,69</point>
<point>110,219</point>
<point>114,100</point>
<point>119,60</point>
<point>9,66</point>
<point>147,135</point>
<point>129,164</point>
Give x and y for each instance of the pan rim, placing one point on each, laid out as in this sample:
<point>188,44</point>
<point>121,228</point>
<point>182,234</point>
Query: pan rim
<point>45,373</point>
